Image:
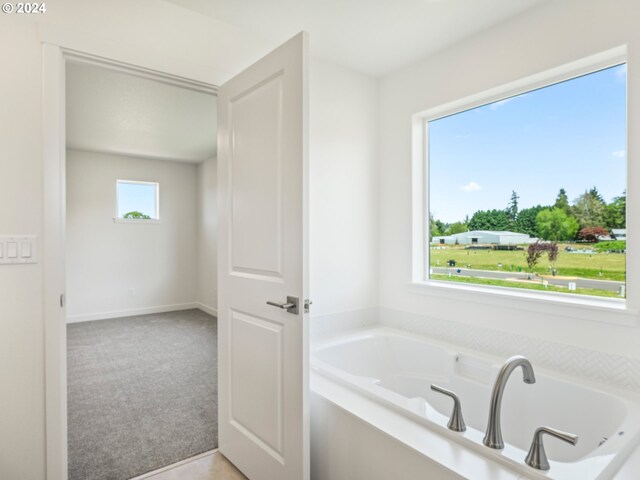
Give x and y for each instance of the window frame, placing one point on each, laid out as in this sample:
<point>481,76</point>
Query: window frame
<point>152,220</point>
<point>618,311</point>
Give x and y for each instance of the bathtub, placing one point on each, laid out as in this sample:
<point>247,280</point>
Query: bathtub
<point>396,370</point>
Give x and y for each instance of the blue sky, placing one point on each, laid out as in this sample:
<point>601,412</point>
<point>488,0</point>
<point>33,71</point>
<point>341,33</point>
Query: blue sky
<point>571,135</point>
<point>136,197</point>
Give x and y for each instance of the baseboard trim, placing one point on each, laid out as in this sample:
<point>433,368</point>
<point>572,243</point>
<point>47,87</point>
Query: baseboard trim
<point>207,309</point>
<point>175,465</point>
<point>129,313</point>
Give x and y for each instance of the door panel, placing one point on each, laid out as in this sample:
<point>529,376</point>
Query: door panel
<point>257,376</point>
<point>256,185</point>
<point>262,253</point>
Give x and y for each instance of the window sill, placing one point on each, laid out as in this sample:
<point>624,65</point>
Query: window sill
<point>141,221</point>
<point>604,310</point>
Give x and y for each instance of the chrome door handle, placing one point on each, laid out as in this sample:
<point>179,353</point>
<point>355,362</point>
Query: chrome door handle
<point>290,306</point>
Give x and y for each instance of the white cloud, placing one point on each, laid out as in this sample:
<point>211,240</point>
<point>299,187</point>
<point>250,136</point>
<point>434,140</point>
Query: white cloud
<point>501,103</point>
<point>621,71</point>
<point>471,187</point>
<point>497,105</point>
<point>619,153</point>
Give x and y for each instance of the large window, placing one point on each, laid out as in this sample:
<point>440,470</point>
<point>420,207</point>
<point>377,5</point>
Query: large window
<point>529,192</point>
<point>137,200</point>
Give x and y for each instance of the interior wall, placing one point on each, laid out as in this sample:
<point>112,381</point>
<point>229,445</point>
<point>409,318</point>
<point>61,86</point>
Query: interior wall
<point>555,34</point>
<point>173,40</point>
<point>21,212</point>
<point>207,296</point>
<point>120,269</point>
<point>343,189</point>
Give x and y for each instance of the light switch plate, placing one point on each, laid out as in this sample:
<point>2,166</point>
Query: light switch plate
<point>18,249</point>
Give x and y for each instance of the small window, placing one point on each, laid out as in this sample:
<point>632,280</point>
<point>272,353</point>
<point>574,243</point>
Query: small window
<point>138,200</point>
<point>529,192</point>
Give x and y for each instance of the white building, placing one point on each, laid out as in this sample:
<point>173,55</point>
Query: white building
<point>484,237</point>
<point>619,233</point>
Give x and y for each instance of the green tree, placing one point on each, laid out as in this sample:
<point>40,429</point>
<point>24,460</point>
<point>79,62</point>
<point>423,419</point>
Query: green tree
<point>555,225</point>
<point>489,220</point>
<point>436,227</point>
<point>457,227</point>
<point>616,212</point>
<point>595,194</point>
<point>137,215</point>
<point>526,221</point>
<point>562,201</point>
<point>589,209</point>
<point>512,210</point>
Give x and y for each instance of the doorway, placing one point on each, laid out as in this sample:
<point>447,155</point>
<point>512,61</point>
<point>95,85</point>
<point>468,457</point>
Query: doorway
<point>138,341</point>
<point>273,93</point>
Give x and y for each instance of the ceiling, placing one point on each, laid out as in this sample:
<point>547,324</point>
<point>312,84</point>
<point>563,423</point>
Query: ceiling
<point>375,37</point>
<point>114,112</point>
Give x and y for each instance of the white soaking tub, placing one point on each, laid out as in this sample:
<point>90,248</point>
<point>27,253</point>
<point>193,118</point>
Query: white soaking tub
<point>397,369</point>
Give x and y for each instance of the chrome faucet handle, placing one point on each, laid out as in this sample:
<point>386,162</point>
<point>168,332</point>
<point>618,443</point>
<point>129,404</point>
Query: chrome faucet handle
<point>456,422</point>
<point>537,457</point>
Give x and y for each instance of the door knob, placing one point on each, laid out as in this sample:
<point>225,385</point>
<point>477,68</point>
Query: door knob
<point>290,306</point>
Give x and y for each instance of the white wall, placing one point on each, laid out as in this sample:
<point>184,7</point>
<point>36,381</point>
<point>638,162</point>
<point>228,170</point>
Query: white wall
<point>207,295</point>
<point>552,35</point>
<point>173,40</point>
<point>105,260</point>
<point>21,211</point>
<point>343,183</point>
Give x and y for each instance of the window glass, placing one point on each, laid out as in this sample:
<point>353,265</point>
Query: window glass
<point>530,192</point>
<point>137,200</point>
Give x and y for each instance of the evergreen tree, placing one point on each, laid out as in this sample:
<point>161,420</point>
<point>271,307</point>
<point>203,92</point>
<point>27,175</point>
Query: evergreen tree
<point>489,220</point>
<point>512,210</point>
<point>526,221</point>
<point>595,194</point>
<point>562,201</point>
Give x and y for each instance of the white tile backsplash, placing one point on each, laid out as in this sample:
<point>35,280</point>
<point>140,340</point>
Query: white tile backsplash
<point>615,370</point>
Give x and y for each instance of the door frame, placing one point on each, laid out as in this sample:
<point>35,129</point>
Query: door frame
<point>54,60</point>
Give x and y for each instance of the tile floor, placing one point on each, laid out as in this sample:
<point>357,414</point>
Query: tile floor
<point>209,467</point>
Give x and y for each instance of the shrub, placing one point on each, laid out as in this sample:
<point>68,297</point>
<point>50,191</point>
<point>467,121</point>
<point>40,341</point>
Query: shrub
<point>612,246</point>
<point>591,234</point>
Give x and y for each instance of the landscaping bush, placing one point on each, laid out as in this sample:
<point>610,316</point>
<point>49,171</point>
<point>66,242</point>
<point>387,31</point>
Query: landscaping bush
<point>611,246</point>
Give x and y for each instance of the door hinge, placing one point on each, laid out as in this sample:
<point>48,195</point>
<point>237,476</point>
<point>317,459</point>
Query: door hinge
<point>307,304</point>
<point>62,300</point>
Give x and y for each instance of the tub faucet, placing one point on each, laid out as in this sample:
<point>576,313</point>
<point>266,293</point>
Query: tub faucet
<point>493,436</point>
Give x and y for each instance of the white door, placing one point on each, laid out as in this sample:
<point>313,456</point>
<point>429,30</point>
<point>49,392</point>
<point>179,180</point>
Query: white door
<point>263,353</point>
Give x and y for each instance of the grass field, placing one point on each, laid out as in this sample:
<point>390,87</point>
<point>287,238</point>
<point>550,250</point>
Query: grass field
<point>602,266</point>
<point>526,286</point>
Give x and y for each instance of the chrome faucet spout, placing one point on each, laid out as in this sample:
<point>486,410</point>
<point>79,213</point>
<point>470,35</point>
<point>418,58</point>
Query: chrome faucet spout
<point>493,435</point>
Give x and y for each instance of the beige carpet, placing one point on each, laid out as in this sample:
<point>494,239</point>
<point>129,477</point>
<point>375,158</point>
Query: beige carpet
<point>142,393</point>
